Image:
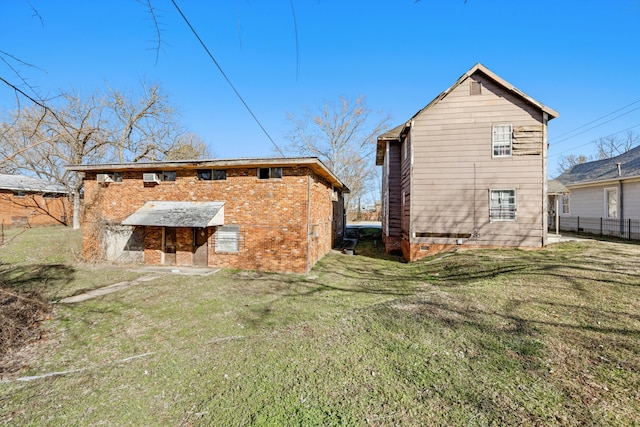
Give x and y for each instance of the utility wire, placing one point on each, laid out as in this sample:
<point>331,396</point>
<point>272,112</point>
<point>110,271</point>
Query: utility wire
<point>598,125</point>
<point>593,121</point>
<point>592,142</point>
<point>204,46</point>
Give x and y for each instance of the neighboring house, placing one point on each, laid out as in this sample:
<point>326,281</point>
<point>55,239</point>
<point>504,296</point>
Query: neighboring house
<point>27,202</point>
<point>262,214</point>
<point>469,169</point>
<point>603,195</point>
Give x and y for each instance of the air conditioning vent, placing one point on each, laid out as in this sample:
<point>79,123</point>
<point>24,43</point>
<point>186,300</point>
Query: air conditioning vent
<point>150,177</point>
<point>104,177</point>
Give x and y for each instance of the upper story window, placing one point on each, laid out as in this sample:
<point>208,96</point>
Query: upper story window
<point>109,177</point>
<point>501,140</point>
<point>269,173</point>
<point>212,174</point>
<point>19,194</point>
<point>168,176</point>
<point>502,205</point>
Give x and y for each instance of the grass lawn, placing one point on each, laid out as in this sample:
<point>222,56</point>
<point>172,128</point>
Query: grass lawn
<point>491,337</point>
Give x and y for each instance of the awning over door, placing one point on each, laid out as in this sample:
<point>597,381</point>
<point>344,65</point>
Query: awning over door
<point>178,214</point>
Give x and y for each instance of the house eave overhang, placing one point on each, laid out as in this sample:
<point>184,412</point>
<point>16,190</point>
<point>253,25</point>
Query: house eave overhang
<point>178,214</point>
<point>598,183</point>
<point>312,163</point>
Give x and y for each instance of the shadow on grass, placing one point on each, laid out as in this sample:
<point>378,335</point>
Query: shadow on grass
<point>44,279</point>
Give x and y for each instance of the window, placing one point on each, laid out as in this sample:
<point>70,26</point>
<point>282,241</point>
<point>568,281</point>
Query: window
<point>109,177</point>
<point>227,238</point>
<point>502,205</point>
<point>476,88</point>
<point>269,173</point>
<point>611,202</point>
<point>212,174</point>
<point>168,176</point>
<point>19,194</point>
<point>52,195</point>
<point>204,174</point>
<point>565,203</point>
<point>501,140</point>
<point>116,176</point>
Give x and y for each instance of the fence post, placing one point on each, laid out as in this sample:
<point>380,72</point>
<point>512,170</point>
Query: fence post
<point>629,228</point>
<point>578,225</point>
<point>600,226</point>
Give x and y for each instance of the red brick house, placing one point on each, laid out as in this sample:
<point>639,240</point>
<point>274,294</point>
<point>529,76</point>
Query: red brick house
<point>30,202</point>
<point>276,214</point>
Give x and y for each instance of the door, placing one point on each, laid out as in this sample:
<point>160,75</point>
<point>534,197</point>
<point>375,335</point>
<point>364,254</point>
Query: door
<point>200,247</point>
<point>169,246</point>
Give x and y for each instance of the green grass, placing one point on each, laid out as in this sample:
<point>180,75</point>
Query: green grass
<point>491,337</point>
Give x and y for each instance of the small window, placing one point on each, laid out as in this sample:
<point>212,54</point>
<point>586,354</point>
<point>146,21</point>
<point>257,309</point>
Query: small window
<point>51,195</point>
<point>227,238</point>
<point>204,174</point>
<point>565,203</point>
<point>168,176</point>
<point>611,202</point>
<point>19,194</point>
<point>501,140</point>
<point>116,176</point>
<point>502,205</point>
<point>219,174</point>
<point>476,88</point>
<point>269,173</point>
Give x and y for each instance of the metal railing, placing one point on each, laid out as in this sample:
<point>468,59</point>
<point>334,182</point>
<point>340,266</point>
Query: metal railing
<point>611,227</point>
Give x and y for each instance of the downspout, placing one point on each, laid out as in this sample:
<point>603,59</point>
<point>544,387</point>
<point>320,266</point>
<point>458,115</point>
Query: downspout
<point>308,221</point>
<point>545,214</point>
<point>557,197</point>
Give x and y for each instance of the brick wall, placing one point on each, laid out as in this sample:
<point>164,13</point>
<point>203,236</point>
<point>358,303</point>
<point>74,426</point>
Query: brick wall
<point>33,210</point>
<point>271,214</point>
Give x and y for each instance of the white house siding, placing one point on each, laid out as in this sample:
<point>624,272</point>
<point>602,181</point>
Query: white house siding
<point>453,169</point>
<point>632,199</point>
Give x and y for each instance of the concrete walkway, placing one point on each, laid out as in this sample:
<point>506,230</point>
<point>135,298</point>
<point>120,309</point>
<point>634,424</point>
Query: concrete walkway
<point>154,273</point>
<point>559,238</point>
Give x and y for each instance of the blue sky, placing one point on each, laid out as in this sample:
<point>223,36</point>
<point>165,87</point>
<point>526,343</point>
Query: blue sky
<point>580,58</point>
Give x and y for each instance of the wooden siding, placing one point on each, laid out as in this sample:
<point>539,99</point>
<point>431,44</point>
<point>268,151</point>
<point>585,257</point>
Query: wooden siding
<point>453,168</point>
<point>394,197</point>
<point>405,185</point>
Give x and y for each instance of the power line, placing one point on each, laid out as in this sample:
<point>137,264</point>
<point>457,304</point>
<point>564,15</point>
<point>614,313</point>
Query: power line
<point>598,125</point>
<point>592,142</point>
<point>593,121</point>
<point>204,46</point>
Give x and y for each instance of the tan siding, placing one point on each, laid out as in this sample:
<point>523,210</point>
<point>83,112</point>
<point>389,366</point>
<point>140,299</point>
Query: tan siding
<point>453,167</point>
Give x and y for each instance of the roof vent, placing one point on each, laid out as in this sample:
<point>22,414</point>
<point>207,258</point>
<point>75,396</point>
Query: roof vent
<point>619,169</point>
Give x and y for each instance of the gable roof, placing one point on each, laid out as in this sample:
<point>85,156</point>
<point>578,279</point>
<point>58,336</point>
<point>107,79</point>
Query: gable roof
<point>396,133</point>
<point>29,184</point>
<point>312,163</point>
<point>604,170</point>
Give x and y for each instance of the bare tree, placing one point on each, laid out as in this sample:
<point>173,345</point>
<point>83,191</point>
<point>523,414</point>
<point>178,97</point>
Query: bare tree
<point>188,146</point>
<point>567,162</point>
<point>342,135</point>
<point>94,129</point>
<point>612,146</point>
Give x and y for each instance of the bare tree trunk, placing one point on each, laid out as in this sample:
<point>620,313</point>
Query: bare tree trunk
<point>76,209</point>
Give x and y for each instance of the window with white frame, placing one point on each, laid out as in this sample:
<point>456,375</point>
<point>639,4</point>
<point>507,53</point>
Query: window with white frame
<point>227,238</point>
<point>565,203</point>
<point>611,203</point>
<point>502,205</point>
<point>501,140</point>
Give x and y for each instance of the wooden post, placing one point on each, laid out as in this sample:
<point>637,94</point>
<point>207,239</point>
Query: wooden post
<point>557,216</point>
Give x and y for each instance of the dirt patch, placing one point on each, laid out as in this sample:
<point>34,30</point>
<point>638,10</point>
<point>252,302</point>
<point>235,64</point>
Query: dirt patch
<point>21,316</point>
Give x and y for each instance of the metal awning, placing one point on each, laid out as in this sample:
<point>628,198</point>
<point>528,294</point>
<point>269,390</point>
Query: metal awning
<point>178,214</point>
